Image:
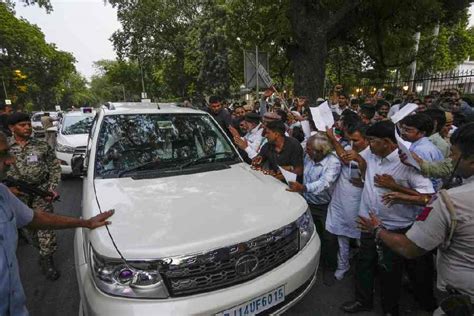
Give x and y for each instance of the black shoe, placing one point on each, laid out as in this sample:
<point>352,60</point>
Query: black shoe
<point>355,307</point>
<point>48,268</point>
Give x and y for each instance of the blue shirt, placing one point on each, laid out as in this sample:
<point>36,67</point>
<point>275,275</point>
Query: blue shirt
<point>428,152</point>
<point>319,178</point>
<point>13,215</point>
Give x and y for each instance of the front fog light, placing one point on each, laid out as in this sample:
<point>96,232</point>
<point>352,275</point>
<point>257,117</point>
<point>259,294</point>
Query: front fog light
<point>306,228</point>
<point>134,279</point>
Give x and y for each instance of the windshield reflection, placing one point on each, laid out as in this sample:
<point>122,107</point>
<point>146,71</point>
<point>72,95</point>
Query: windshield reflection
<point>73,125</point>
<point>130,140</point>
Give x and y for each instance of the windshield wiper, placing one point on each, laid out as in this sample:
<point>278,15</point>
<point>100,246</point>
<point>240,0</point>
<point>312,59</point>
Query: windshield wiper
<point>139,167</point>
<point>204,158</point>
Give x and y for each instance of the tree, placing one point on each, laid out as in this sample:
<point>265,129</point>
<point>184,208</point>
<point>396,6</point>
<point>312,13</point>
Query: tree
<point>314,24</point>
<point>188,47</point>
<point>116,81</point>
<point>40,65</point>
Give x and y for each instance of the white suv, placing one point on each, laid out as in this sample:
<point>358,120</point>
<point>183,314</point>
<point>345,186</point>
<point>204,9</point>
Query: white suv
<point>196,231</point>
<point>72,136</point>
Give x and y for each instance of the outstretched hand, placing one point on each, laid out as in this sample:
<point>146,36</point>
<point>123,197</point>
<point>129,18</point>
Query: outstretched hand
<point>367,225</point>
<point>100,220</point>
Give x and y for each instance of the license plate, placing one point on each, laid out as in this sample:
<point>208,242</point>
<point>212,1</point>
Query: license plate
<point>257,305</point>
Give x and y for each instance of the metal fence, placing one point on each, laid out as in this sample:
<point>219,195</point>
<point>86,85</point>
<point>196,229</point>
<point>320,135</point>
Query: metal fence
<point>423,84</point>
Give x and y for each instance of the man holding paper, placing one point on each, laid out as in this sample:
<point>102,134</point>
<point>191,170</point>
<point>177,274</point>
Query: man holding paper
<point>279,151</point>
<point>321,170</point>
<point>384,173</point>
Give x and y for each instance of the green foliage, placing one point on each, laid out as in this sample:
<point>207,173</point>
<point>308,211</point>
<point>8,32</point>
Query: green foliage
<point>31,68</point>
<point>116,81</point>
<point>196,47</point>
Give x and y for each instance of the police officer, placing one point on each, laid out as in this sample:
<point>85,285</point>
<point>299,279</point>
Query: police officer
<point>36,164</point>
<point>50,136</point>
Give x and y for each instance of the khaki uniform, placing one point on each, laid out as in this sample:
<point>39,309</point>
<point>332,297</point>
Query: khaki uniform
<point>455,264</point>
<point>50,137</point>
<point>36,164</point>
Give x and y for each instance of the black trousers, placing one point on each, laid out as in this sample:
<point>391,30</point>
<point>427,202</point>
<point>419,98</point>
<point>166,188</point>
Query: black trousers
<point>329,244</point>
<point>420,271</point>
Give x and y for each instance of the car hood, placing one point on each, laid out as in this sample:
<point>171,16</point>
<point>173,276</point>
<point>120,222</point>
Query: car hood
<point>75,140</point>
<point>182,215</point>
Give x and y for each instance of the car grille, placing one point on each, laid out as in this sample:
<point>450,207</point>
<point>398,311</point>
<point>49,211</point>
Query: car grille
<point>80,150</point>
<point>230,265</point>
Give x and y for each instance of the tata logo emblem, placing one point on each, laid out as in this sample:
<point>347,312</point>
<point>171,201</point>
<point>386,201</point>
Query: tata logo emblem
<point>245,265</point>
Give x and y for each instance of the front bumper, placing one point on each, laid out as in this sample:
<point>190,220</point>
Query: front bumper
<point>298,275</point>
<point>65,162</point>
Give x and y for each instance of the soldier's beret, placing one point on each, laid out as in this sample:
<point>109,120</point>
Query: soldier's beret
<point>18,117</point>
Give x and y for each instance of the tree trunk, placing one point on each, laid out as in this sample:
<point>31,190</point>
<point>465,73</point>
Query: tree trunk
<point>314,23</point>
<point>309,63</point>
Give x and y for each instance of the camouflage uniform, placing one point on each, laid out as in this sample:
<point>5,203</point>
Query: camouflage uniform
<point>36,164</point>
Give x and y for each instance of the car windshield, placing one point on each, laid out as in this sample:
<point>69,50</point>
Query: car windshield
<point>137,142</point>
<point>37,116</point>
<point>72,125</point>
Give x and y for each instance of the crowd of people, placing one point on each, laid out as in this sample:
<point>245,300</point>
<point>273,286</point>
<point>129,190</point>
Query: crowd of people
<point>365,193</point>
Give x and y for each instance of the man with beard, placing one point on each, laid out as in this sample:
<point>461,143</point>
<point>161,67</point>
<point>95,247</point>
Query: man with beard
<point>36,164</point>
<point>252,141</point>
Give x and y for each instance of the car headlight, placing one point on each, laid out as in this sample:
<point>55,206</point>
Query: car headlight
<point>306,228</point>
<point>65,149</point>
<point>134,279</point>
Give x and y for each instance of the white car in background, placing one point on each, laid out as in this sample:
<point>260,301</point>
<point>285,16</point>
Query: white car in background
<point>196,231</point>
<point>37,126</point>
<point>72,136</point>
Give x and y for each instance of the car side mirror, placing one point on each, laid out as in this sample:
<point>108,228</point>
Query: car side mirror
<point>77,165</point>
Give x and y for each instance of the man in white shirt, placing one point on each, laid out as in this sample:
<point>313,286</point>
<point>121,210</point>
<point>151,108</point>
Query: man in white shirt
<point>380,167</point>
<point>253,139</point>
<point>436,229</point>
<point>341,105</point>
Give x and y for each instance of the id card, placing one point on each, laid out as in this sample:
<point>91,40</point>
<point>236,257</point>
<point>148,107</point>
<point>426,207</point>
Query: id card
<point>32,159</point>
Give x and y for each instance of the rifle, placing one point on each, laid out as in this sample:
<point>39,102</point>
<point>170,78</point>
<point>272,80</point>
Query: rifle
<point>28,188</point>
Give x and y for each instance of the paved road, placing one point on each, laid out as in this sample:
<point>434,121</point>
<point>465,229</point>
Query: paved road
<point>62,297</point>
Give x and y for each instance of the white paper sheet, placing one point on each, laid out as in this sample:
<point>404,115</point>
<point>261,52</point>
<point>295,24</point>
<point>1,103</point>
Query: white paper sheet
<point>289,176</point>
<point>322,116</point>
<point>402,145</point>
<point>405,111</point>
<point>306,128</point>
